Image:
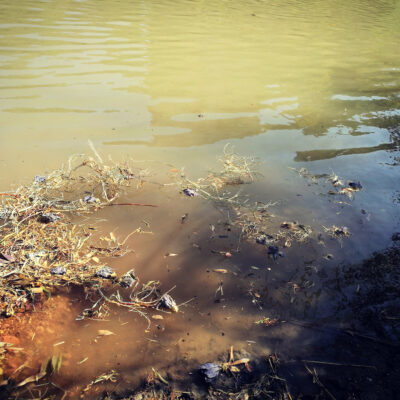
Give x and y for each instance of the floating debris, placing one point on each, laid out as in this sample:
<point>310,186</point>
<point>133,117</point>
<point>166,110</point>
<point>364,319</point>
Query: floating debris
<point>110,376</point>
<point>189,192</point>
<point>91,199</point>
<point>264,239</point>
<point>267,321</point>
<point>168,302</point>
<point>39,179</point>
<point>355,185</point>
<point>335,180</point>
<point>128,279</point>
<point>58,270</point>
<point>289,225</point>
<point>337,232</point>
<point>104,332</point>
<point>210,371</point>
<point>171,254</point>
<point>221,270</point>
<point>105,273</point>
<point>293,231</point>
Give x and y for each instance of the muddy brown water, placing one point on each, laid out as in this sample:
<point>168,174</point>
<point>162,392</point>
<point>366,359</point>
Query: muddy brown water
<point>166,84</point>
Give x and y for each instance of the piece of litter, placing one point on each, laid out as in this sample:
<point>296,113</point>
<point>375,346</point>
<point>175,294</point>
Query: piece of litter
<point>128,279</point>
<point>168,302</point>
<point>91,199</point>
<point>58,271</point>
<point>39,179</point>
<point>105,273</point>
<point>189,192</point>
<point>210,371</point>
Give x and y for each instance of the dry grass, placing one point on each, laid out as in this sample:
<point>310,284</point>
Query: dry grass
<point>42,244</point>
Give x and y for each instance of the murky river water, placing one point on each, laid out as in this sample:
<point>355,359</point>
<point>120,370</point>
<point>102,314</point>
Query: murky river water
<point>299,84</point>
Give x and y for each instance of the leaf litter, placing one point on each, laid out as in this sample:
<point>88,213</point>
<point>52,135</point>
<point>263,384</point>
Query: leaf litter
<point>43,246</point>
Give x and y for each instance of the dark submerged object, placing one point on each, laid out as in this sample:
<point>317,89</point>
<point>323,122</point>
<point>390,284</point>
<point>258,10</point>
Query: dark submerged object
<point>274,252</point>
<point>210,371</point>
<point>356,185</point>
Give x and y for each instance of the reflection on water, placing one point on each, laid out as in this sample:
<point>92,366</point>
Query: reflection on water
<point>193,73</point>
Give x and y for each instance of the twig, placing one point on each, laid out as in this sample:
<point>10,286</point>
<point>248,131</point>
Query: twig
<point>132,204</point>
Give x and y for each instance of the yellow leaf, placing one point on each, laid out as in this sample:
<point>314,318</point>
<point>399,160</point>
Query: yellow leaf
<point>105,332</point>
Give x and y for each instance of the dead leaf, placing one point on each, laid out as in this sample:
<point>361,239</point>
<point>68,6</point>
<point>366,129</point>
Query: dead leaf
<point>105,332</point>
<point>157,316</point>
<point>221,270</point>
<point>33,378</point>
<point>170,255</point>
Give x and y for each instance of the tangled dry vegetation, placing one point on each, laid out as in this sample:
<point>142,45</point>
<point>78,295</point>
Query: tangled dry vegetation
<point>236,170</point>
<point>43,245</point>
<point>252,218</point>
